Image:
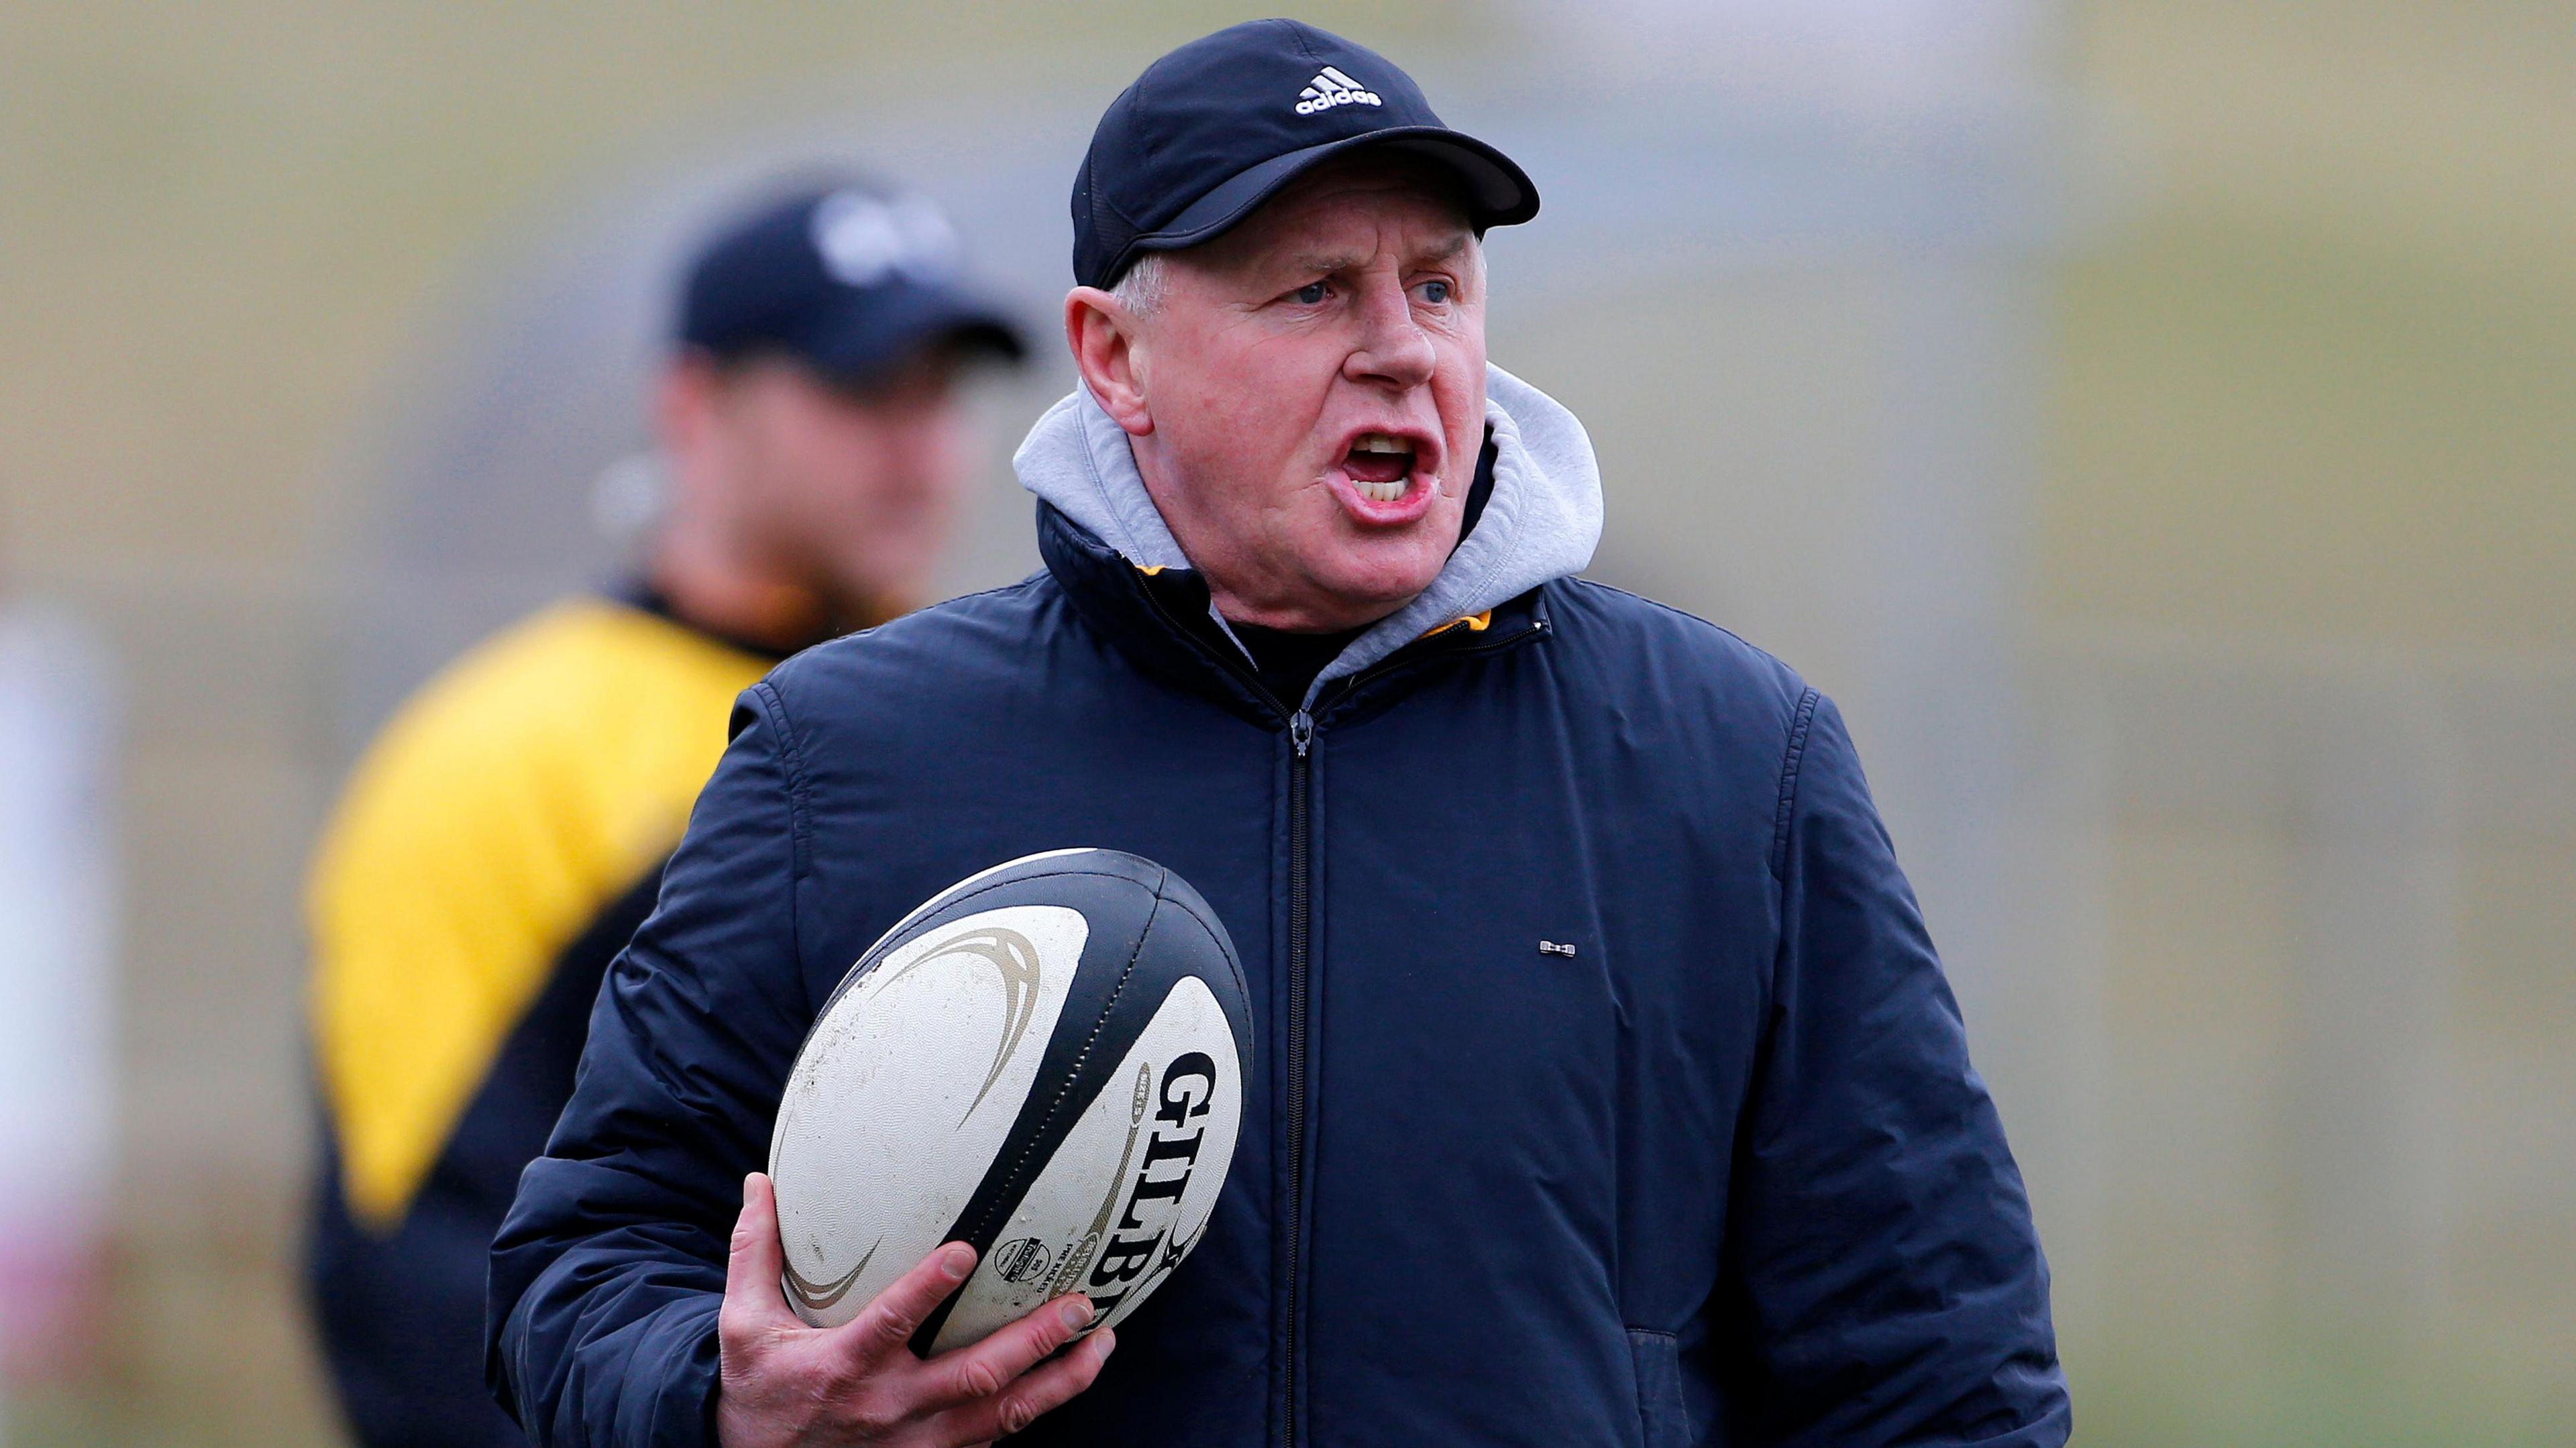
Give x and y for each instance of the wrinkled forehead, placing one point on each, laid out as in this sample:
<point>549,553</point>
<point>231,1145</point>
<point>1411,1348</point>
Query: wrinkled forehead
<point>1378,197</point>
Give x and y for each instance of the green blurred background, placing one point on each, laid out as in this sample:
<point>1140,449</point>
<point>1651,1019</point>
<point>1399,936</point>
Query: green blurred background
<point>2262,903</point>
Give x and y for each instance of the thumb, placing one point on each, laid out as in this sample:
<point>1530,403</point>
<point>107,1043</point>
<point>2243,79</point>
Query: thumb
<point>755,1261</point>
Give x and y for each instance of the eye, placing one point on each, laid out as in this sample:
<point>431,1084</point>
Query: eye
<point>1437,293</point>
<point>1312,293</point>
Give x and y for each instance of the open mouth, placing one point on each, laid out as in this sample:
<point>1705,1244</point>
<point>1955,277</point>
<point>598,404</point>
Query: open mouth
<point>1380,466</point>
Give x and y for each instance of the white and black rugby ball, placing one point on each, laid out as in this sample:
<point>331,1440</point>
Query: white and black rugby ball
<point>1045,1061</point>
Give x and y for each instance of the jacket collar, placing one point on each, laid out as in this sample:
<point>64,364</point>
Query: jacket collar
<point>1540,522</point>
<point>1160,620</point>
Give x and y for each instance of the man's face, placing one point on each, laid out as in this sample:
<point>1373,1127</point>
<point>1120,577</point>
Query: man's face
<point>1312,386</point>
<point>847,495</point>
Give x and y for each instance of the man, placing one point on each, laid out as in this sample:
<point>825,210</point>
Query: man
<point>1606,1087</point>
<point>503,837</point>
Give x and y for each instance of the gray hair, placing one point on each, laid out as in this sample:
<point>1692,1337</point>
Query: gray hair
<point>1148,280</point>
<point>1140,291</point>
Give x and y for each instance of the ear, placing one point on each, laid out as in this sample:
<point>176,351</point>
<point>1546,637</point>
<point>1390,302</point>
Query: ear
<point>1103,335</point>
<point>684,408</point>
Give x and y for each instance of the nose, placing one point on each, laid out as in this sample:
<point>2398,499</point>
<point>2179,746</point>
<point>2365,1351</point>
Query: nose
<point>1393,351</point>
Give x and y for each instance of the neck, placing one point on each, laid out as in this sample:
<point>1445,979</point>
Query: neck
<point>710,588</point>
<point>1295,618</point>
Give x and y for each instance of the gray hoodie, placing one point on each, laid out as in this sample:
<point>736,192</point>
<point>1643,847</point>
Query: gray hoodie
<point>1541,522</point>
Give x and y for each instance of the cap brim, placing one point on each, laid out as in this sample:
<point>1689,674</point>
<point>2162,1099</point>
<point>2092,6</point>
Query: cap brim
<point>1499,193</point>
<point>869,334</point>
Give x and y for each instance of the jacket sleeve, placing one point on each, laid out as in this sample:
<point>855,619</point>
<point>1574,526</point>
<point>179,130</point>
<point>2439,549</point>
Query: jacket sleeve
<point>608,1271</point>
<point>1883,1283</point>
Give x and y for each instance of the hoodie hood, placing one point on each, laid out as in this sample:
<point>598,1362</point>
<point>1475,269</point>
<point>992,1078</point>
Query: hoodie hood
<point>1541,522</point>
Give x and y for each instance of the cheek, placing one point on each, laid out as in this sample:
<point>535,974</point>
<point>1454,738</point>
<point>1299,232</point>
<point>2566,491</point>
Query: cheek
<point>927,463</point>
<point>1274,388</point>
<point>835,474</point>
<point>1459,394</point>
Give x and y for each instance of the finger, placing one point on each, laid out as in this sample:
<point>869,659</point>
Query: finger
<point>752,1298</point>
<point>1049,1387</point>
<point>982,1369</point>
<point>885,1327</point>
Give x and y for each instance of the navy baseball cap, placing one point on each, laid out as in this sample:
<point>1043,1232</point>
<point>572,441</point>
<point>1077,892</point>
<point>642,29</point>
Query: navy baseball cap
<point>849,279</point>
<point>1217,127</point>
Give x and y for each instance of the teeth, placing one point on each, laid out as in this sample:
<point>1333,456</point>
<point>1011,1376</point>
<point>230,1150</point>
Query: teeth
<point>1381,442</point>
<point>1386,492</point>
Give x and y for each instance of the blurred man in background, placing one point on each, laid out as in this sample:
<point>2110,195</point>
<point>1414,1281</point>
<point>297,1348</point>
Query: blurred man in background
<point>507,831</point>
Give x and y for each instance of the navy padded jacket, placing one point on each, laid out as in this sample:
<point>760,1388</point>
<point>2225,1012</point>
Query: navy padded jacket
<point>1722,1175</point>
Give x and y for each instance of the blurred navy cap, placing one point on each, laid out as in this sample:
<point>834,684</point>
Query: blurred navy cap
<point>1217,127</point>
<point>849,279</point>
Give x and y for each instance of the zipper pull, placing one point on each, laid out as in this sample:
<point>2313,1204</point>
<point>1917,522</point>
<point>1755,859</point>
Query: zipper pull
<point>1301,731</point>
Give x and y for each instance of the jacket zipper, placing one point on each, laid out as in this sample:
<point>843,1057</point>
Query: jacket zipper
<point>1301,742</point>
<point>1301,784</point>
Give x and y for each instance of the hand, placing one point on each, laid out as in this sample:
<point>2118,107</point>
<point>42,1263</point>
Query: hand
<point>860,1384</point>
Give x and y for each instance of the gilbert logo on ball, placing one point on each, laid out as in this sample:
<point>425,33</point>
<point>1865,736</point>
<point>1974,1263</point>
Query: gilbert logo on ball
<point>1045,1061</point>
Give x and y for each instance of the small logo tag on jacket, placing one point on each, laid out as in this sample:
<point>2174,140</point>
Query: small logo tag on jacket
<point>1556,947</point>
<point>1331,88</point>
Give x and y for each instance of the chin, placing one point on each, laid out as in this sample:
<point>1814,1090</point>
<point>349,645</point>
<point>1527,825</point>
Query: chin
<point>1364,592</point>
<point>1387,567</point>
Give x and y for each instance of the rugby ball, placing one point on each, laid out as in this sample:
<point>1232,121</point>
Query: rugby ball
<point>1045,1060</point>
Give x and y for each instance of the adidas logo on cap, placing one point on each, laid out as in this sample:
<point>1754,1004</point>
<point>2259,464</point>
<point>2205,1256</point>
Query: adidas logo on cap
<point>1331,88</point>
<point>865,239</point>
